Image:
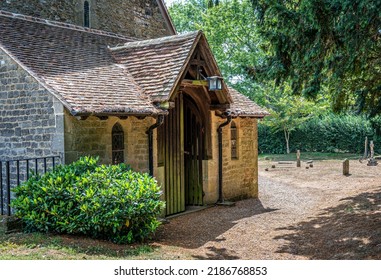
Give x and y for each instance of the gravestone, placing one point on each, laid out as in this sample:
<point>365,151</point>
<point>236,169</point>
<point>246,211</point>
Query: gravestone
<point>372,161</point>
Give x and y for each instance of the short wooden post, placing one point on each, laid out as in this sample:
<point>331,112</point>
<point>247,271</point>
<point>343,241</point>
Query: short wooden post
<point>298,158</point>
<point>346,167</point>
<point>371,145</point>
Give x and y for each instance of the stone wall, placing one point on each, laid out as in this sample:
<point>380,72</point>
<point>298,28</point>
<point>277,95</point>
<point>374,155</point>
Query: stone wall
<point>136,18</point>
<point>31,126</point>
<point>240,176</point>
<point>31,119</point>
<point>246,166</point>
<point>93,137</point>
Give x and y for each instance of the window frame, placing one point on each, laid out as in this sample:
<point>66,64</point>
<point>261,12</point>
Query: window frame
<point>86,14</point>
<point>117,144</point>
<point>234,141</point>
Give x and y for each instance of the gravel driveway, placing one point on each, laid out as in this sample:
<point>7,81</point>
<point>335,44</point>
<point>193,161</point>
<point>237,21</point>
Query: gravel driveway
<point>314,213</point>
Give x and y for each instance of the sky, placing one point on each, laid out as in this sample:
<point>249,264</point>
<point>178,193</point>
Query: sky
<point>169,2</point>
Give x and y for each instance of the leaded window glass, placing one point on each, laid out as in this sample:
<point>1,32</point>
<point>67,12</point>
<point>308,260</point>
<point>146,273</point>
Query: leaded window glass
<point>86,14</point>
<point>234,140</point>
<point>117,144</point>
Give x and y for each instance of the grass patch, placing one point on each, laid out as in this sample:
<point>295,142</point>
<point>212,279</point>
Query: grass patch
<point>39,246</point>
<point>308,156</point>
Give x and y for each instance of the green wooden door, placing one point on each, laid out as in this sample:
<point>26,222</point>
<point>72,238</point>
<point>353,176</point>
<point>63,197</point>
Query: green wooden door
<point>193,149</point>
<point>173,156</point>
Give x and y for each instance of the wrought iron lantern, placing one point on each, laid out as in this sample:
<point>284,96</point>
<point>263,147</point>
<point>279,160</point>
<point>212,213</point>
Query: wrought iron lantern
<point>214,83</point>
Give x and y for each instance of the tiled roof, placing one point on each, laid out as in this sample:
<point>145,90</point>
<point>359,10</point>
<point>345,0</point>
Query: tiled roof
<point>95,72</point>
<point>75,64</point>
<point>244,107</point>
<point>156,64</point>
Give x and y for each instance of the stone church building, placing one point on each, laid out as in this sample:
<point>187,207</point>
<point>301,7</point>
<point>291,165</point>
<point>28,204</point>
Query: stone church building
<point>111,78</point>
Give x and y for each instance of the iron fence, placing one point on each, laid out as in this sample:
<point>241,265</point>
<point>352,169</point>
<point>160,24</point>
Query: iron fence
<point>15,172</point>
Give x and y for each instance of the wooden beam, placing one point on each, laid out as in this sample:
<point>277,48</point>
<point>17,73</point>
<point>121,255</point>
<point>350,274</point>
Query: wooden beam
<point>194,83</point>
<point>192,72</point>
<point>198,62</point>
<point>207,95</point>
<point>220,96</point>
<point>102,118</point>
<point>215,107</point>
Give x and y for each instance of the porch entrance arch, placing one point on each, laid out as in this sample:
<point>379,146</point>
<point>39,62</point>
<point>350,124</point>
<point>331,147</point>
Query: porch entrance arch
<point>181,147</point>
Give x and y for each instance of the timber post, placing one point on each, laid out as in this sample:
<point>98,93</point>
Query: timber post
<point>346,167</point>
<point>298,158</point>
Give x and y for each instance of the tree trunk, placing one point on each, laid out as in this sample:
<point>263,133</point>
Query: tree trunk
<point>287,137</point>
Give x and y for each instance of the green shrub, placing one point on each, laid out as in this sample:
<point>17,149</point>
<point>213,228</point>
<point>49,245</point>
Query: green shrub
<point>100,201</point>
<point>330,133</point>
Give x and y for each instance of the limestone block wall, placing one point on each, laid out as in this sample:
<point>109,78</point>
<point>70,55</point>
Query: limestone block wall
<point>31,119</point>
<point>93,137</point>
<point>136,18</point>
<point>240,176</point>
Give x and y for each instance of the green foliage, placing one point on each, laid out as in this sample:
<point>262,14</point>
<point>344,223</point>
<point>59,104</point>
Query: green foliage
<point>187,16</point>
<point>330,133</point>
<point>100,201</point>
<point>237,44</point>
<point>288,112</point>
<point>232,36</point>
<point>317,44</point>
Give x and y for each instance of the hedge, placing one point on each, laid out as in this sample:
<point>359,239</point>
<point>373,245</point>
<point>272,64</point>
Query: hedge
<point>330,133</point>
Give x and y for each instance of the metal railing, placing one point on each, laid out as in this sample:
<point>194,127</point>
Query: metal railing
<point>15,172</point>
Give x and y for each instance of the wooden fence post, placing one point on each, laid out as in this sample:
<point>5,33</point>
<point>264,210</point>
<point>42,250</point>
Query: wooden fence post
<point>346,167</point>
<point>298,158</point>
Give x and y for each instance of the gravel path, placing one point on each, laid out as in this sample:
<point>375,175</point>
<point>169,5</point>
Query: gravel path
<point>304,217</point>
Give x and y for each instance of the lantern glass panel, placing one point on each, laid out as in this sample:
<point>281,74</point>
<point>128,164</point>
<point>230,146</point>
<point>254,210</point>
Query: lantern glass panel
<point>215,83</point>
<point>212,84</point>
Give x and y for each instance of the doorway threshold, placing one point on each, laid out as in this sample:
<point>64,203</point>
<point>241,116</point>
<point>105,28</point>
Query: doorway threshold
<point>189,210</point>
<point>226,203</point>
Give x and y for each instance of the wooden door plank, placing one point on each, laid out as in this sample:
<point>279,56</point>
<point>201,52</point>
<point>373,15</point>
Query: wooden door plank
<point>181,134</point>
<point>175,162</point>
<point>172,162</point>
<point>166,162</point>
<point>177,155</point>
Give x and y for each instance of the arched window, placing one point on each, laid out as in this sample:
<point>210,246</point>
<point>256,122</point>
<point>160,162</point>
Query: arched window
<point>86,14</point>
<point>234,140</point>
<point>117,144</point>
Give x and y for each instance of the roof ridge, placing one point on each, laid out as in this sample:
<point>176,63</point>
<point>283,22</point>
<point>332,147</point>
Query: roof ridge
<point>64,25</point>
<point>156,41</point>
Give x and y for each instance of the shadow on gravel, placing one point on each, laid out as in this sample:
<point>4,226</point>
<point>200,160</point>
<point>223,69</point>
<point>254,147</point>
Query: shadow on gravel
<point>193,230</point>
<point>217,254</point>
<point>351,230</point>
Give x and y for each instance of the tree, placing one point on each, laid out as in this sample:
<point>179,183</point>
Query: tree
<point>187,16</point>
<point>288,112</point>
<point>235,40</point>
<point>231,33</point>
<point>316,44</point>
